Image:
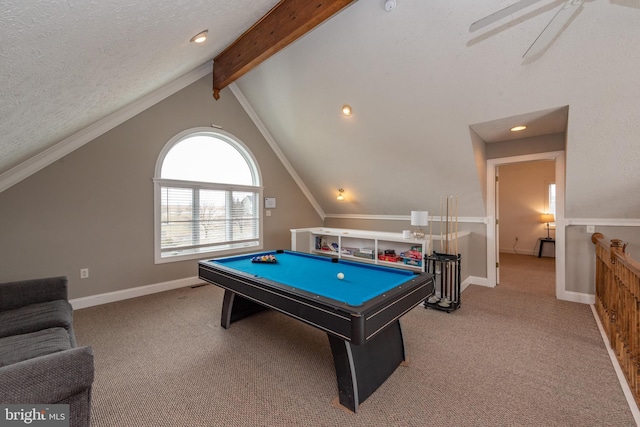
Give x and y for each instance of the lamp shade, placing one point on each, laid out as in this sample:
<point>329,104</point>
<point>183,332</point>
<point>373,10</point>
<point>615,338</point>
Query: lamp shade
<point>419,218</point>
<point>547,218</point>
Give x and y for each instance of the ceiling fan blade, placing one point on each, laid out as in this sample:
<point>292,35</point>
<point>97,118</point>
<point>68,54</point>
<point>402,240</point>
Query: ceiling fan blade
<point>553,28</point>
<point>496,16</point>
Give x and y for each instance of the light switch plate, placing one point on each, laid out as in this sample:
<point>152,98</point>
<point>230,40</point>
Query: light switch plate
<point>269,202</point>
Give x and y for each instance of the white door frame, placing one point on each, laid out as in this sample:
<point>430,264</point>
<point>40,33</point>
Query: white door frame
<point>492,164</point>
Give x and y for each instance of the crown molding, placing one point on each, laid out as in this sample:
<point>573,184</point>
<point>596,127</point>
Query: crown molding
<point>93,131</point>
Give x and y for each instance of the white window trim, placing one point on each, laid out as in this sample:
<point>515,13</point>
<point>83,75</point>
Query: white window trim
<point>547,201</point>
<point>159,182</point>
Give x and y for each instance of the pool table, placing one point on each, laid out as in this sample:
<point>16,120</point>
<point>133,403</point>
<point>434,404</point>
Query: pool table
<point>360,312</point>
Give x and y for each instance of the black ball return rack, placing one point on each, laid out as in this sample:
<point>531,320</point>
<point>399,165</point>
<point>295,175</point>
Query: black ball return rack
<point>446,275</point>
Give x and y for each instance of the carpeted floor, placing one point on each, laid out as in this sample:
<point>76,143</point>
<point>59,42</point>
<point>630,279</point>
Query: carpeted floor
<point>510,356</point>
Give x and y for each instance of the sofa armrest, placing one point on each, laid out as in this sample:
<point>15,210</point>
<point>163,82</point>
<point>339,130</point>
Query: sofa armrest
<point>47,379</point>
<point>25,292</point>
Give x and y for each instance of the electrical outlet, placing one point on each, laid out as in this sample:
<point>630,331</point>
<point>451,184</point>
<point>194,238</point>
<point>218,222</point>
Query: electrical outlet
<point>84,273</point>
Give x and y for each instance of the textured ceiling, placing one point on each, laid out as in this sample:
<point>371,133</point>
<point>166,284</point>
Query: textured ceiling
<point>417,80</point>
<point>66,64</point>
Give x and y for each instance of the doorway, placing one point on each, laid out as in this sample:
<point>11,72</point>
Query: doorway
<point>493,228</point>
<point>525,249</point>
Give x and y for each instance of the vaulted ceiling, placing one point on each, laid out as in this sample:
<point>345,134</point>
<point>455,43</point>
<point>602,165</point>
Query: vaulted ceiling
<point>417,80</point>
<point>64,65</point>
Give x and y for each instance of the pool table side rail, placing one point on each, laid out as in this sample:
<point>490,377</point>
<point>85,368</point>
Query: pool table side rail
<point>384,314</point>
<point>354,324</point>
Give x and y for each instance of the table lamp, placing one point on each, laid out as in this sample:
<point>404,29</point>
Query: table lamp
<point>547,218</point>
<point>419,219</point>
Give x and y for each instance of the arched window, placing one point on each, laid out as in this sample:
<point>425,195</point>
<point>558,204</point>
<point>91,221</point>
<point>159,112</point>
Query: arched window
<point>207,197</point>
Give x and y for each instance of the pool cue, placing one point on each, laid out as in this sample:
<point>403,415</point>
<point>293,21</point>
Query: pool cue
<point>430,235</point>
<point>445,280</point>
<point>441,243</point>
<point>449,242</point>
<point>456,252</point>
<point>446,233</point>
<point>451,227</point>
<point>451,278</point>
<point>446,250</point>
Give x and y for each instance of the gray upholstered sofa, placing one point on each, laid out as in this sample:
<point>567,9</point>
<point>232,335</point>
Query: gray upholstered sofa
<point>40,361</point>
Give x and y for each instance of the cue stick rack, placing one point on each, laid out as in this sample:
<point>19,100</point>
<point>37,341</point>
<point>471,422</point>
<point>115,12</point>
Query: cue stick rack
<point>446,275</point>
<point>445,265</point>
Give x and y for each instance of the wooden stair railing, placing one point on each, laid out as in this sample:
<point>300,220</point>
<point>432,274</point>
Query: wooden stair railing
<point>618,305</point>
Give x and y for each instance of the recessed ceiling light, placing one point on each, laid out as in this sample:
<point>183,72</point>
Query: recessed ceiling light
<point>518,128</point>
<point>346,110</point>
<point>201,37</point>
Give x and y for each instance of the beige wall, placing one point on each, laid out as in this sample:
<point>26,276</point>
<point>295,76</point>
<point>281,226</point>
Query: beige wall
<point>519,147</point>
<point>580,266</point>
<point>94,208</point>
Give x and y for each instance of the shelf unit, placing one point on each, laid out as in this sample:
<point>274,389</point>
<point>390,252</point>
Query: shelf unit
<point>362,246</point>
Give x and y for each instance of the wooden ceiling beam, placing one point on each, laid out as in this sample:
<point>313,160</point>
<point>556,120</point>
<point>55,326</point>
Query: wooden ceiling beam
<point>282,25</point>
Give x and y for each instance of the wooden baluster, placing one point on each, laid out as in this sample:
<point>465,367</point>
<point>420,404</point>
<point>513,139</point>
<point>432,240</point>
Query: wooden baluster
<point>618,305</point>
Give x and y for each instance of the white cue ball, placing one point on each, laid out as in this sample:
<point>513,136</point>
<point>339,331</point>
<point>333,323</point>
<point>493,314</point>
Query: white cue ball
<point>340,276</point>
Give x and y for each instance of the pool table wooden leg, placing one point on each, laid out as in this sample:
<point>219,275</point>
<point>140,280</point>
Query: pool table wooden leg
<point>235,307</point>
<point>361,369</point>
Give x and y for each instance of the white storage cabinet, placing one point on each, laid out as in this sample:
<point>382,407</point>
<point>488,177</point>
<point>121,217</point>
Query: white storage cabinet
<point>362,245</point>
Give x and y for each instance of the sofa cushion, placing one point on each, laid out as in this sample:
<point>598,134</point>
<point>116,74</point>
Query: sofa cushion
<point>34,317</point>
<point>17,348</point>
<point>33,291</point>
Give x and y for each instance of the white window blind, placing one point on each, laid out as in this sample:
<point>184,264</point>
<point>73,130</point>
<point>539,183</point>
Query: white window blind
<point>204,220</point>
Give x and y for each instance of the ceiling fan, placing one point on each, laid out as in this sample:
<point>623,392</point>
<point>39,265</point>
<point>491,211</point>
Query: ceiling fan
<point>551,30</point>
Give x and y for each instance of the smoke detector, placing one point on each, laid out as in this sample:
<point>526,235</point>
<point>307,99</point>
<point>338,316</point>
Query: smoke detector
<point>389,5</point>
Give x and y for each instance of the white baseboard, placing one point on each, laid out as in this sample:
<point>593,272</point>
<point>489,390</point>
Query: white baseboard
<point>616,366</point>
<point>519,251</point>
<point>108,297</point>
<point>577,297</point>
<point>474,280</point>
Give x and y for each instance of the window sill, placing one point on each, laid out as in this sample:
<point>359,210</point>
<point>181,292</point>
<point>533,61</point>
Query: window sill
<point>208,254</point>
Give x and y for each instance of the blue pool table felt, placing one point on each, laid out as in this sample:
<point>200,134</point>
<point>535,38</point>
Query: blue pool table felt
<point>318,275</point>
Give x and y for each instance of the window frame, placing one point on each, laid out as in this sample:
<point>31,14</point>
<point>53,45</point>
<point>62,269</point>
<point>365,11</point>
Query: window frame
<point>159,183</point>
<point>551,185</point>
<point>547,201</point>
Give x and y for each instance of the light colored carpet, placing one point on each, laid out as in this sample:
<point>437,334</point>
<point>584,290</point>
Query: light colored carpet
<point>510,356</point>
